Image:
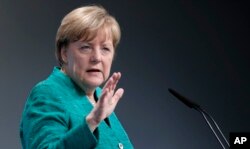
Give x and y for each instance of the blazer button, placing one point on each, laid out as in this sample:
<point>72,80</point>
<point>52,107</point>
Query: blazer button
<point>120,145</point>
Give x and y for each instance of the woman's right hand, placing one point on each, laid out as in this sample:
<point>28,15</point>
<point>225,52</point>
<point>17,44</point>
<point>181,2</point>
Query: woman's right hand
<point>107,102</point>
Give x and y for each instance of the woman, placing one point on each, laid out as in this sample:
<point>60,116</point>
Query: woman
<point>68,110</point>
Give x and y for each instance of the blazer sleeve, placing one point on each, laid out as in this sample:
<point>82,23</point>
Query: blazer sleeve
<point>45,124</point>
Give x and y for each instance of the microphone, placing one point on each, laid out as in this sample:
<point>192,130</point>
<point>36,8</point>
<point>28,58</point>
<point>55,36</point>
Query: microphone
<point>197,107</point>
<point>186,101</point>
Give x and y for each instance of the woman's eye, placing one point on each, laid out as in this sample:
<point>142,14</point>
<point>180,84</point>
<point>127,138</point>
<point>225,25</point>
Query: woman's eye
<point>106,49</point>
<point>85,48</point>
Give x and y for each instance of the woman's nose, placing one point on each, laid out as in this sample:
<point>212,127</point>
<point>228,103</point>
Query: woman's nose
<point>95,56</point>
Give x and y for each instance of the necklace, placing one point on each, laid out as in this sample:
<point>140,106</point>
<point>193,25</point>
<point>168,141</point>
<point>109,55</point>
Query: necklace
<point>91,101</point>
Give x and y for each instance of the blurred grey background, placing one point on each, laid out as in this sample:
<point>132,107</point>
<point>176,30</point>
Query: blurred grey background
<point>199,48</point>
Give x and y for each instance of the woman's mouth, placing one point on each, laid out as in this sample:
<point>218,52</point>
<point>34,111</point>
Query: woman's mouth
<point>93,71</point>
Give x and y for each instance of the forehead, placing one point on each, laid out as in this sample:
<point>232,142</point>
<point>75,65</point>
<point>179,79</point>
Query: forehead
<point>103,35</point>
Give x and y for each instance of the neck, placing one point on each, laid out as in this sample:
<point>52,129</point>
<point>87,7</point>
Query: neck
<point>91,98</point>
<point>88,90</point>
<point>90,94</point>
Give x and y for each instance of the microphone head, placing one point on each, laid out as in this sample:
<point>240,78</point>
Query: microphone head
<point>183,99</point>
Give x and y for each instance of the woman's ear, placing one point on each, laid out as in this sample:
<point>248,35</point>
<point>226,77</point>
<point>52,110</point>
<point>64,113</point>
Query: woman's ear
<point>64,55</point>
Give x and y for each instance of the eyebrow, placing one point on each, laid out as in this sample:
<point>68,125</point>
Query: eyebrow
<point>108,44</point>
<point>89,42</point>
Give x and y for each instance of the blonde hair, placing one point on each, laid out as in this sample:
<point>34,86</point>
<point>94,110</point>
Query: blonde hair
<point>84,23</point>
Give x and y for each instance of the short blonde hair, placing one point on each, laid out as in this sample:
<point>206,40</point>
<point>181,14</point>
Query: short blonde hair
<point>84,23</point>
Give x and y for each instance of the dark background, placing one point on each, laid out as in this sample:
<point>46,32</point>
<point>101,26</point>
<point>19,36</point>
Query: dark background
<point>200,48</point>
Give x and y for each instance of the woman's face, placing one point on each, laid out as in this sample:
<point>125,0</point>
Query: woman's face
<point>88,63</point>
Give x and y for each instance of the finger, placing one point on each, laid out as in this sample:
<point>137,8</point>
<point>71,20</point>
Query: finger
<point>117,96</point>
<point>103,95</point>
<point>107,95</point>
<point>109,83</point>
<point>116,80</point>
<point>113,80</point>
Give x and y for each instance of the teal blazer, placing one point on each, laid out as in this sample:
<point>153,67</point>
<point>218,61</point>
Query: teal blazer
<point>54,118</point>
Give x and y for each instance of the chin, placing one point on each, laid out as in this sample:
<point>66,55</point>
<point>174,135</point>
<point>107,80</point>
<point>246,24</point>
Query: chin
<point>95,83</point>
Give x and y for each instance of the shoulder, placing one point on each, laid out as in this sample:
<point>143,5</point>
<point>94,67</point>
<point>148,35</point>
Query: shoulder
<point>44,96</point>
<point>44,88</point>
<point>46,91</point>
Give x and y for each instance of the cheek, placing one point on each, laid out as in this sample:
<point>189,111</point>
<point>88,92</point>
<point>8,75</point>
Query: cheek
<point>79,61</point>
<point>77,65</point>
<point>108,65</point>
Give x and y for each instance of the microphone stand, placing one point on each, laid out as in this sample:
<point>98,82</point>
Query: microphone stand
<point>205,115</point>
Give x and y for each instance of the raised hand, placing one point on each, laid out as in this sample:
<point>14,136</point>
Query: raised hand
<point>107,102</point>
